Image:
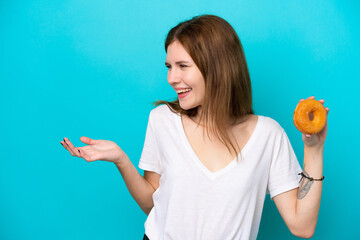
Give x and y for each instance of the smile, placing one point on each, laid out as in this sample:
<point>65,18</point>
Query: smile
<point>183,90</point>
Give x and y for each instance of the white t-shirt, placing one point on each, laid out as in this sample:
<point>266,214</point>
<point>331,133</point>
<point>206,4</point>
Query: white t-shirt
<point>194,203</point>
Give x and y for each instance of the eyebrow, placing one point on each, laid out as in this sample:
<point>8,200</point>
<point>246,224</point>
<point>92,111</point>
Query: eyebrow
<point>178,62</point>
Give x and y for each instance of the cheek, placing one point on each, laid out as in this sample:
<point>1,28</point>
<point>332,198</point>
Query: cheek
<point>168,77</point>
<point>201,84</point>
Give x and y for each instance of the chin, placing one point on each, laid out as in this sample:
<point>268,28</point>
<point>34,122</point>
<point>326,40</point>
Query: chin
<point>185,107</point>
<point>188,106</point>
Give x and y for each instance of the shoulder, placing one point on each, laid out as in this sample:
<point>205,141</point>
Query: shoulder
<point>271,133</point>
<point>270,125</point>
<point>161,113</point>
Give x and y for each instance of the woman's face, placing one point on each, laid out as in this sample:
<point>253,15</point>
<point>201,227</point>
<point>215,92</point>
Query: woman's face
<point>184,76</point>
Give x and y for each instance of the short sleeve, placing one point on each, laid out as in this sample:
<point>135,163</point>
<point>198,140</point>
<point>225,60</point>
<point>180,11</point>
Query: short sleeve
<point>284,168</point>
<point>150,157</point>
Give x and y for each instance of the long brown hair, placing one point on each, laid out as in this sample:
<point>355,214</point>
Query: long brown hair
<point>217,51</point>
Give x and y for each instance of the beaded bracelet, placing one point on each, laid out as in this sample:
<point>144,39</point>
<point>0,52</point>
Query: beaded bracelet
<point>310,178</point>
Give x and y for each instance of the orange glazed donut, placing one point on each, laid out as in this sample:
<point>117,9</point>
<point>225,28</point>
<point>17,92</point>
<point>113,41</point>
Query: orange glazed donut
<point>310,116</point>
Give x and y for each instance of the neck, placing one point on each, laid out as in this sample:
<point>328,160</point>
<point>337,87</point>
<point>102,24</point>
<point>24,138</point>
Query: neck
<point>231,123</point>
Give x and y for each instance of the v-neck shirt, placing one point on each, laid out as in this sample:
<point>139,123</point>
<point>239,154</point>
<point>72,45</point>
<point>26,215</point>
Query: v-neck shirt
<point>196,159</point>
<point>192,202</point>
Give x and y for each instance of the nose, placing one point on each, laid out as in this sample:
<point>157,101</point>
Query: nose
<point>173,77</point>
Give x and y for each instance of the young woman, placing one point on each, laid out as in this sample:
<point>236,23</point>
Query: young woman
<point>208,161</point>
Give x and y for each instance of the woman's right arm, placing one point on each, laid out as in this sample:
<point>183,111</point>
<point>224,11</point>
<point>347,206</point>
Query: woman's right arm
<point>141,188</point>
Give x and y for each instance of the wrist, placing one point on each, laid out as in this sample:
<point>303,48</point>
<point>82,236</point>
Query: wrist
<point>121,161</point>
<point>313,161</point>
<point>316,150</point>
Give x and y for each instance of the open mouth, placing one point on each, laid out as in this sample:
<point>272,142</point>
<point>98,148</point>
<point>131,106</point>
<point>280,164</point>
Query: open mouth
<point>183,92</point>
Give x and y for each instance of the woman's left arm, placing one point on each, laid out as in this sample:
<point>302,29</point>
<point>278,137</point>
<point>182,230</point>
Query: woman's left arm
<point>300,207</point>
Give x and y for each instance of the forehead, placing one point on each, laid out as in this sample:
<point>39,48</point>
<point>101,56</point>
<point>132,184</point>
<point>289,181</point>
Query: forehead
<point>176,52</point>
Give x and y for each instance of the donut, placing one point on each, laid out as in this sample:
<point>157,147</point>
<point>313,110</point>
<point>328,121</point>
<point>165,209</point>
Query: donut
<point>310,116</point>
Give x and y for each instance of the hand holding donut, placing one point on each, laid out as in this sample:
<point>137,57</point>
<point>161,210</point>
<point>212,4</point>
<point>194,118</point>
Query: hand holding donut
<point>310,118</point>
<point>95,150</point>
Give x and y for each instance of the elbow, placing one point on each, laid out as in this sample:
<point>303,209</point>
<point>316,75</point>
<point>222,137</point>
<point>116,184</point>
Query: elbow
<point>303,233</point>
<point>147,208</point>
<point>147,211</point>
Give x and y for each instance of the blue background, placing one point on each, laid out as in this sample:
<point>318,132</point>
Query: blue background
<point>93,68</point>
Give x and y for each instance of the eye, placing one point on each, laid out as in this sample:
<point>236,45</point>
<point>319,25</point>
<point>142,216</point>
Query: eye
<point>183,65</point>
<point>167,66</point>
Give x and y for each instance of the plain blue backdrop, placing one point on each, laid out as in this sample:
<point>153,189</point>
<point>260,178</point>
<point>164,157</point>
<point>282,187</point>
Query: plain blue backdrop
<point>93,68</point>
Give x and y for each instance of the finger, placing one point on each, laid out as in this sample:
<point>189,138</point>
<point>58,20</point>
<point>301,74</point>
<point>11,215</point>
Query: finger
<point>322,101</point>
<point>88,141</point>
<point>306,135</point>
<point>327,109</point>
<point>71,147</point>
<point>66,141</point>
<point>84,155</point>
<point>81,153</point>
<point>301,100</point>
<point>312,97</point>
<point>66,146</point>
<point>83,150</point>
<point>63,144</point>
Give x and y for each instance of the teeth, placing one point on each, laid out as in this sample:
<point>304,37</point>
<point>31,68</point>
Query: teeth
<point>183,90</point>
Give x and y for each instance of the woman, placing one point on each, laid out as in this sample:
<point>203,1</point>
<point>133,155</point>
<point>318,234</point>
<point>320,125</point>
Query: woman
<point>208,161</point>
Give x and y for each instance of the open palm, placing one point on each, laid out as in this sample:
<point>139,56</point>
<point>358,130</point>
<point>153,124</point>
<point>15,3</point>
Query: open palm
<point>95,150</point>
